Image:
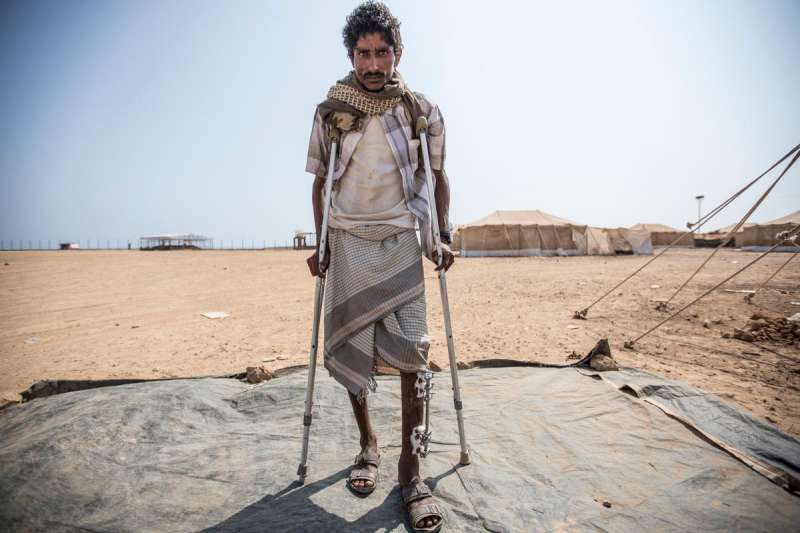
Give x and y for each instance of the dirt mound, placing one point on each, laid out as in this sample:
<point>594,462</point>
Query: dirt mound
<point>761,327</point>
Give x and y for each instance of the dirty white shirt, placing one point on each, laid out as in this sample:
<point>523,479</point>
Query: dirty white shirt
<point>371,189</point>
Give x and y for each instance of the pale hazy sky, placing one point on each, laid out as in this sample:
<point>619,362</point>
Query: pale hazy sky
<point>127,118</point>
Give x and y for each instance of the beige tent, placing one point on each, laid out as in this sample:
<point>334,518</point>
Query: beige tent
<point>618,241</point>
<point>529,233</point>
<point>729,227</point>
<point>520,233</point>
<point>759,237</point>
<point>714,238</point>
<point>661,235</point>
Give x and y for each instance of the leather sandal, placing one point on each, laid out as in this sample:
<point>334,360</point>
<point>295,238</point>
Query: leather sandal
<point>417,490</point>
<point>362,472</point>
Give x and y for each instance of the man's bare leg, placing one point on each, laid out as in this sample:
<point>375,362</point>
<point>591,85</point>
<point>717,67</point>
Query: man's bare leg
<point>408,466</point>
<point>368,438</point>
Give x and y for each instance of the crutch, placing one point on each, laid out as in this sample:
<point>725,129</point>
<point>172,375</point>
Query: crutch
<point>422,133</point>
<point>319,292</point>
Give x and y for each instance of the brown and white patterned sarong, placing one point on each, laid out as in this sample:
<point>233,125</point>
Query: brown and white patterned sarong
<point>374,305</point>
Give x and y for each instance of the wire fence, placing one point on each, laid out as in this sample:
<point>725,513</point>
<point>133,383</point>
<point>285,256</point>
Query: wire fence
<point>7,245</point>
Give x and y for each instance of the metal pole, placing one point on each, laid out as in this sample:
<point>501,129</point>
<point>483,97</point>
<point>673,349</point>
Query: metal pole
<point>422,132</point>
<point>319,292</point>
<point>699,199</point>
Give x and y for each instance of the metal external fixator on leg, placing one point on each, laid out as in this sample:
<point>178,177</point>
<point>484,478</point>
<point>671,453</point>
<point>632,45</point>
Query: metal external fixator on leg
<point>425,392</point>
<point>319,293</point>
<point>422,133</point>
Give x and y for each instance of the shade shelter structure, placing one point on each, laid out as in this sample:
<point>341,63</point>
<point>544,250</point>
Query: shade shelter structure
<point>173,241</point>
<point>520,234</point>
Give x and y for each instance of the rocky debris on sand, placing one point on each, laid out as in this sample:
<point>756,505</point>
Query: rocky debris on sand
<point>601,358</point>
<point>463,365</point>
<point>603,363</point>
<point>9,398</point>
<point>257,374</point>
<point>434,366</point>
<point>761,327</point>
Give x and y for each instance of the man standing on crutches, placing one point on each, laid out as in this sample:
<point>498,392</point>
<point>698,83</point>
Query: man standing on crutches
<point>370,194</point>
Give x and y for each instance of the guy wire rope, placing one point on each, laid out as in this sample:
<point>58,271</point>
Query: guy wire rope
<point>581,315</point>
<point>792,233</point>
<point>726,239</point>
<point>749,297</point>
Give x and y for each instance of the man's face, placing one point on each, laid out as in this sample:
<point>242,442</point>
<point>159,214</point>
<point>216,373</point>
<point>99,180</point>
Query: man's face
<point>374,61</point>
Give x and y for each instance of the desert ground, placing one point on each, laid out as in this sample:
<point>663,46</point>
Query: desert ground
<point>119,314</point>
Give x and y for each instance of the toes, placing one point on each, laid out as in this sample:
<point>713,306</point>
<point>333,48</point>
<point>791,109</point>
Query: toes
<point>428,522</point>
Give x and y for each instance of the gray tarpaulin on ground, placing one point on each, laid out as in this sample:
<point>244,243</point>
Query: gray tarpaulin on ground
<point>552,449</point>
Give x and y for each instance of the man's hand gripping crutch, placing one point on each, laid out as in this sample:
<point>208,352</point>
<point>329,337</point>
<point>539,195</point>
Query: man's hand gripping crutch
<point>422,133</point>
<point>319,291</point>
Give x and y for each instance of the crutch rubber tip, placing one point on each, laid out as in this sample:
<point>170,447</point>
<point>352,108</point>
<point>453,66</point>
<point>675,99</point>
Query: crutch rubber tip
<point>465,459</point>
<point>422,125</point>
<point>302,471</point>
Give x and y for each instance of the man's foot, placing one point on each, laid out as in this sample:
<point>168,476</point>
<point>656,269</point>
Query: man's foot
<point>423,512</point>
<point>364,475</point>
<point>417,496</point>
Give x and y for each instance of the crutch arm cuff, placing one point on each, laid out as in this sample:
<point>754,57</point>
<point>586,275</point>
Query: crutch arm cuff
<point>422,125</point>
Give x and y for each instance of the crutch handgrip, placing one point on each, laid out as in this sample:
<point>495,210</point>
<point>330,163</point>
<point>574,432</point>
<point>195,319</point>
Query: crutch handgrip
<point>422,125</point>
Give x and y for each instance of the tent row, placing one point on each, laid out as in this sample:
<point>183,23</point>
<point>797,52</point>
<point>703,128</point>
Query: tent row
<point>536,233</point>
<point>759,237</point>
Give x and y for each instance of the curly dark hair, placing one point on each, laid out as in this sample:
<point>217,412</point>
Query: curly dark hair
<point>371,17</point>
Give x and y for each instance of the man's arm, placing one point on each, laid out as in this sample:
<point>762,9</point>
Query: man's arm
<point>317,198</point>
<point>316,203</point>
<point>442,192</point>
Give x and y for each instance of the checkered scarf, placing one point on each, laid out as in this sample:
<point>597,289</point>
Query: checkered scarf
<point>349,96</point>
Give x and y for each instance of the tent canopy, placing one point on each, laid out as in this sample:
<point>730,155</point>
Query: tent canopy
<point>662,235</point>
<point>729,227</point>
<point>534,232</point>
<point>655,228</point>
<point>533,217</point>
<point>520,233</point>
<point>791,218</point>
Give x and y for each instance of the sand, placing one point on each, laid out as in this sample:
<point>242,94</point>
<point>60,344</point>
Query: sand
<point>114,314</point>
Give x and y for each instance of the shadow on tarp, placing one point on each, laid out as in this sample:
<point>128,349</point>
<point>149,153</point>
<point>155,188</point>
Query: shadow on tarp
<point>278,512</point>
